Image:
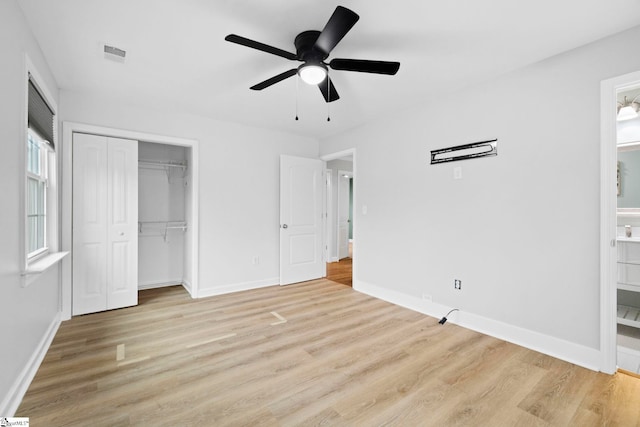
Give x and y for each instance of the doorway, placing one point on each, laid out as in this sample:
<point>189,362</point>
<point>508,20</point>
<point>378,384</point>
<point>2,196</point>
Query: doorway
<point>340,217</point>
<point>628,230</point>
<point>616,245</point>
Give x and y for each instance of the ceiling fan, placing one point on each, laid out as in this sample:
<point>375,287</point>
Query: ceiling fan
<point>313,48</point>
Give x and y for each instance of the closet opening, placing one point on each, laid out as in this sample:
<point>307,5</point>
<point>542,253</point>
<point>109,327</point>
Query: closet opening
<point>163,184</point>
<point>112,179</point>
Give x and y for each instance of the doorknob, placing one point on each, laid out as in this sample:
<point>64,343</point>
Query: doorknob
<point>285,226</point>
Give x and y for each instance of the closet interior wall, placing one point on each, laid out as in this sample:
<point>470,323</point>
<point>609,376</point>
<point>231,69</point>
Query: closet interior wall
<point>163,176</point>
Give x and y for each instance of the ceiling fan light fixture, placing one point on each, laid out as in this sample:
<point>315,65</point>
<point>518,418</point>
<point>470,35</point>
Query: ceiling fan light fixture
<point>312,73</point>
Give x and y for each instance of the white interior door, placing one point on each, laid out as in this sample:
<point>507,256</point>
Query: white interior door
<point>105,215</point>
<point>343,214</point>
<point>301,186</point>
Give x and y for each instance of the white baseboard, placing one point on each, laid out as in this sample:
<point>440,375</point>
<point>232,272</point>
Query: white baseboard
<point>187,285</point>
<point>16,392</point>
<point>578,354</point>
<point>237,287</point>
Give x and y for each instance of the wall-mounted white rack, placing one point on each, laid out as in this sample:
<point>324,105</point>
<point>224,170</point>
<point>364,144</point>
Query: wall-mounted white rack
<point>160,228</point>
<point>167,167</point>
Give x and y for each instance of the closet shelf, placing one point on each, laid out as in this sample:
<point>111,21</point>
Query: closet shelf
<point>629,316</point>
<point>160,228</point>
<point>167,167</point>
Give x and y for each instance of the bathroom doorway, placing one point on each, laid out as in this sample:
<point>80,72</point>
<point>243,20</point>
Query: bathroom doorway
<point>619,226</point>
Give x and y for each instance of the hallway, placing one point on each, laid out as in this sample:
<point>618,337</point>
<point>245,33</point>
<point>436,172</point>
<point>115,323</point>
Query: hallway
<point>342,271</point>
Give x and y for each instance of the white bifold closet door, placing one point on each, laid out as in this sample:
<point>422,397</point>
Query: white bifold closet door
<point>105,223</point>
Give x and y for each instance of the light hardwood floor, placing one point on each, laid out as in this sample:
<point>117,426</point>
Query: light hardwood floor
<point>341,272</point>
<point>316,353</point>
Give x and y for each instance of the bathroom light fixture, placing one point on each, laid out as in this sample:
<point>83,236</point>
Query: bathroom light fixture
<point>312,73</point>
<point>627,110</point>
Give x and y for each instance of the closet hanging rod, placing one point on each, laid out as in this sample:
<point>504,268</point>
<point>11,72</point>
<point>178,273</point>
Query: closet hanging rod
<point>162,164</point>
<point>162,225</point>
<point>161,222</point>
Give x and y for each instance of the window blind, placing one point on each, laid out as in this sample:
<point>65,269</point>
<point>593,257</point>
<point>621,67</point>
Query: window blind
<point>40,115</point>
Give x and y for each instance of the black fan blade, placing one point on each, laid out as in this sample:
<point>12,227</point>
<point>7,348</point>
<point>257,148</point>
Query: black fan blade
<point>260,46</point>
<point>275,79</point>
<point>328,90</point>
<point>365,66</point>
<point>337,27</point>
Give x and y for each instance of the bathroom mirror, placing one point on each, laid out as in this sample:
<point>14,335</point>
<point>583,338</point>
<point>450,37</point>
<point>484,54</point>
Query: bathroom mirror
<point>629,178</point>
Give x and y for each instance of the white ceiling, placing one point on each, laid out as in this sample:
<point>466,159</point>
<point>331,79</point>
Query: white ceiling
<point>177,59</point>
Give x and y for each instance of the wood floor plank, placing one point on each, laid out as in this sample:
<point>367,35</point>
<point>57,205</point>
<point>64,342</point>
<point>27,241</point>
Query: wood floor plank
<point>341,358</point>
<point>558,395</point>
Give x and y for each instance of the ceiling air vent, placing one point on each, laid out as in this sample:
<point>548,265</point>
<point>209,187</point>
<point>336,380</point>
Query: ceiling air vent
<point>113,53</point>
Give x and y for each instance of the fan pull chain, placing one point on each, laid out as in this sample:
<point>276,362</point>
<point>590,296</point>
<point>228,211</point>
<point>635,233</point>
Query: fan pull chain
<point>297,94</point>
<point>328,96</point>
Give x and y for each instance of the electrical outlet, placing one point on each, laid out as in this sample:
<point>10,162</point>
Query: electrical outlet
<point>457,172</point>
<point>457,284</point>
<point>255,260</point>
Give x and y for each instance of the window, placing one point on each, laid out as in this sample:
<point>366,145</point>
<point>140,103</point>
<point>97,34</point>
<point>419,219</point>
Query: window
<point>37,182</point>
<point>40,185</point>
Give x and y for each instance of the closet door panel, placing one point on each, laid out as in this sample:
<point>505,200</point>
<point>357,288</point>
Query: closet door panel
<point>89,224</point>
<point>105,217</point>
<point>119,271</point>
<point>123,223</point>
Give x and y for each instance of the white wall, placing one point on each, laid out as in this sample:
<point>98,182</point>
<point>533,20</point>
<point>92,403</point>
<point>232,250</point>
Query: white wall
<point>27,313</point>
<point>521,230</point>
<point>239,186</point>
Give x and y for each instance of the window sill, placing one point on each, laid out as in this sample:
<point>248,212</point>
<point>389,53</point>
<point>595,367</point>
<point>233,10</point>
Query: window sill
<point>41,265</point>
